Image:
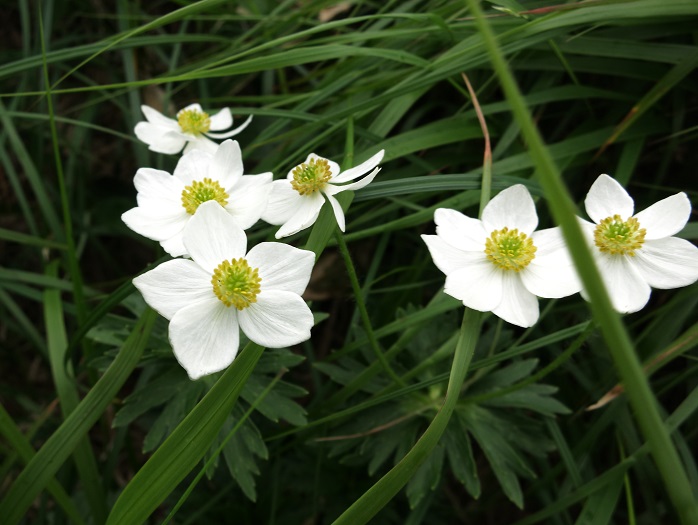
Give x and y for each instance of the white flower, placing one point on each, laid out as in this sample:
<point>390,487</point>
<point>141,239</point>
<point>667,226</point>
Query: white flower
<point>166,203</point>
<point>499,263</point>
<point>295,202</point>
<point>221,290</point>
<point>636,252</point>
<point>193,127</point>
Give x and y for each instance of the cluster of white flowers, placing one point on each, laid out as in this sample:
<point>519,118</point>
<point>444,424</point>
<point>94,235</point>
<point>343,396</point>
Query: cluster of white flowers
<point>200,212</point>
<point>497,264</point>
<point>500,264</point>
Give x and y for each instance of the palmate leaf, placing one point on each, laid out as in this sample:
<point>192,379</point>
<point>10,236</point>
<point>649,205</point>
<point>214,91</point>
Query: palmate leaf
<point>163,401</point>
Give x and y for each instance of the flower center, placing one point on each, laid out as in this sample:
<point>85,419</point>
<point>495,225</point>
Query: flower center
<point>235,283</point>
<point>618,237</point>
<point>193,121</point>
<point>311,177</point>
<point>509,249</point>
<point>202,191</point>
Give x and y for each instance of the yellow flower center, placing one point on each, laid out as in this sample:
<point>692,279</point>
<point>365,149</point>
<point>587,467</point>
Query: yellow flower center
<point>235,283</point>
<point>311,177</point>
<point>618,237</point>
<point>201,191</point>
<point>193,121</point>
<point>509,249</point>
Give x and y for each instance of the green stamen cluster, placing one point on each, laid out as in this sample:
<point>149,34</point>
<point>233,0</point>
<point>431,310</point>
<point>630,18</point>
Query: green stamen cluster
<point>509,249</point>
<point>235,283</point>
<point>193,121</point>
<point>311,177</point>
<point>201,191</point>
<point>618,237</point>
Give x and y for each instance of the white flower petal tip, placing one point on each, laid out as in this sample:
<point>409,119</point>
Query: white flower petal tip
<point>635,253</point>
<point>498,264</point>
<point>166,203</point>
<point>192,129</point>
<point>295,202</point>
<point>208,303</point>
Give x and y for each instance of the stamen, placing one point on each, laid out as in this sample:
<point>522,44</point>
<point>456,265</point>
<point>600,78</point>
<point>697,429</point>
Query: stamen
<point>509,249</point>
<point>236,284</point>
<point>201,191</point>
<point>618,237</point>
<point>193,121</point>
<point>311,177</point>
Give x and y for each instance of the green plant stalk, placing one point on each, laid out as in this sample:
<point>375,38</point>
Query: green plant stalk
<point>637,387</point>
<point>373,500</point>
<point>361,305</point>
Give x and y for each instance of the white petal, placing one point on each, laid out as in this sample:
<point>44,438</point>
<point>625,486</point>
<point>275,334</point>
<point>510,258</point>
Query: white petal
<point>281,266</point>
<point>193,166</point>
<point>331,189</point>
<point>460,230</point>
<point>157,185</point>
<point>226,166</point>
<point>205,337</point>
<point>667,263</point>
<point>607,198</point>
<point>248,199</point>
<point>174,285</point>
<point>448,258</point>
<point>479,285</point>
<point>304,216</point>
<point>212,236</point>
<point>551,273</point>
<point>232,132</point>
<point>278,319</point>
<point>666,217</point>
<point>175,245</point>
<point>283,202</point>
<point>200,143</point>
<point>191,107</point>
<point>359,170</point>
<point>338,212</point>
<point>170,143</point>
<point>628,290</point>
<point>148,132</point>
<point>221,120</point>
<point>512,208</point>
<point>518,306</point>
<point>157,118</point>
<point>158,224</point>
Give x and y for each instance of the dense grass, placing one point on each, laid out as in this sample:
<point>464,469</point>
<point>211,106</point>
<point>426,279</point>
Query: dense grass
<point>100,424</point>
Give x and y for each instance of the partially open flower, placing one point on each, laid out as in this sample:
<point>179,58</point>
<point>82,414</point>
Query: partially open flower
<point>167,202</point>
<point>193,129</point>
<point>295,202</point>
<point>636,252</point>
<point>223,290</point>
<point>500,264</point>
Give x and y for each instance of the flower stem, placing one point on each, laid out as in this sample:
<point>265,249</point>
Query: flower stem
<point>373,500</point>
<point>362,309</point>
<point>637,387</point>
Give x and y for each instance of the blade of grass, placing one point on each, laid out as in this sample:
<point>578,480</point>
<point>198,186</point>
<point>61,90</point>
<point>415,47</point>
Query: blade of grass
<point>64,381</point>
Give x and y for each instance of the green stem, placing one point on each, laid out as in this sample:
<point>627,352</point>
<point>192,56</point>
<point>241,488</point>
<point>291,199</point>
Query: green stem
<point>363,509</point>
<point>362,309</point>
<point>636,385</point>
